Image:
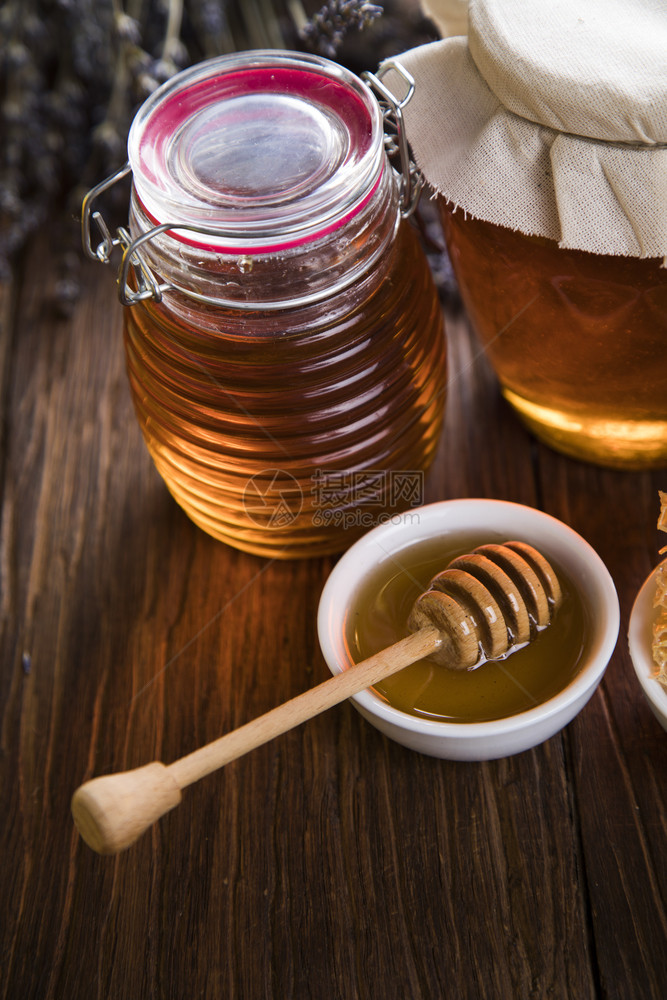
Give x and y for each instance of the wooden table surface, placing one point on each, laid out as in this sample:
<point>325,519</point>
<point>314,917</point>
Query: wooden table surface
<point>330,863</point>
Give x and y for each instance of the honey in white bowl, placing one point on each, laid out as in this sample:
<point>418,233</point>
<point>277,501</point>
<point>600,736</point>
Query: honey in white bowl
<point>495,689</point>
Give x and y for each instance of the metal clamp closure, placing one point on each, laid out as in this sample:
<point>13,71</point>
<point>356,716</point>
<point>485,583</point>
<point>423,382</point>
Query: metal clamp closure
<point>102,252</point>
<point>411,180</point>
<point>147,286</point>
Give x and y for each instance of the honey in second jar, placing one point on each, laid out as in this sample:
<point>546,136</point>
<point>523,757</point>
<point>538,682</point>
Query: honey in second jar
<point>578,340</point>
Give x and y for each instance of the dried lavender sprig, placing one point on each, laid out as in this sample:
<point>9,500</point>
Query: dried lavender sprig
<point>326,30</point>
<point>72,74</point>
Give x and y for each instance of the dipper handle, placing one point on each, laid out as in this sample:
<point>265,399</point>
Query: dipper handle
<point>113,810</point>
<point>482,606</point>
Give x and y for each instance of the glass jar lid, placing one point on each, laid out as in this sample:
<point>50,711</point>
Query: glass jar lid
<point>268,149</point>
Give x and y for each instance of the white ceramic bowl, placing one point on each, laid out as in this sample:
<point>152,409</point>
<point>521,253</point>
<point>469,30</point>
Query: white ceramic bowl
<point>501,737</point>
<point>639,641</point>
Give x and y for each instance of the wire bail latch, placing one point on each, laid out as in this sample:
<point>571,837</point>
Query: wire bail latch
<point>411,180</point>
<point>148,286</point>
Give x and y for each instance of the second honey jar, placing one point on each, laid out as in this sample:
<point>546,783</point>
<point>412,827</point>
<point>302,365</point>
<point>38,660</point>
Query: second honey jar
<point>544,130</point>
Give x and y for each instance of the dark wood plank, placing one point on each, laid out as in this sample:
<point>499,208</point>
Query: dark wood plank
<point>618,750</point>
<point>330,862</point>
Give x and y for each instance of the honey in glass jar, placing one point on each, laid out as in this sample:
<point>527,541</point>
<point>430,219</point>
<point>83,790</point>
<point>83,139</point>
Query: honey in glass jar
<point>544,132</point>
<point>284,339</point>
<point>578,340</point>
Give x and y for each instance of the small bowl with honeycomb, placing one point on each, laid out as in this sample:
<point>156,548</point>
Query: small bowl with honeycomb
<point>640,642</point>
<point>499,707</point>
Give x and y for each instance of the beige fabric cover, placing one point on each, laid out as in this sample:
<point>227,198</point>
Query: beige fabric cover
<point>449,16</point>
<point>549,118</point>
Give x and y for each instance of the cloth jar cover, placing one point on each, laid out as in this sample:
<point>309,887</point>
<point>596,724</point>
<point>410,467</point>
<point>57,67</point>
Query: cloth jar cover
<point>550,118</point>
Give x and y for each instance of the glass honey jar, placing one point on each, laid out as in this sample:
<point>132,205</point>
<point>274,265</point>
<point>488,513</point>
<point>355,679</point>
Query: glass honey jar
<point>544,131</point>
<point>578,340</point>
<point>284,339</point>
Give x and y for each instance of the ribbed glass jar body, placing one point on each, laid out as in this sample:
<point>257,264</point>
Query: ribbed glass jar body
<point>283,432</point>
<point>285,343</point>
<point>289,432</point>
<point>578,340</point>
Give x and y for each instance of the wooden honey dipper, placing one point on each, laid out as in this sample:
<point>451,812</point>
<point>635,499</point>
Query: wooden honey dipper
<point>484,606</point>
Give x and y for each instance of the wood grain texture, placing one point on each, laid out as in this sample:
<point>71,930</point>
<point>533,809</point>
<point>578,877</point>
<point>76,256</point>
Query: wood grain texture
<point>329,863</point>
